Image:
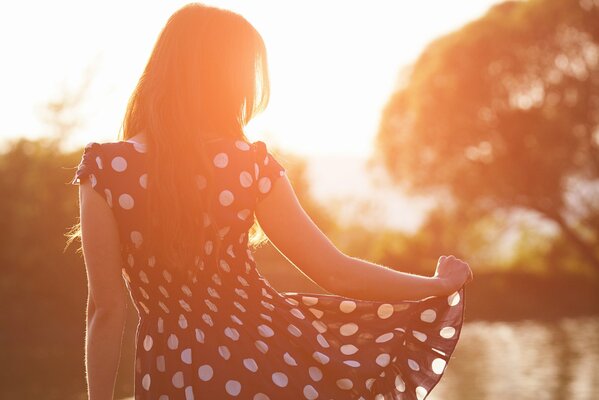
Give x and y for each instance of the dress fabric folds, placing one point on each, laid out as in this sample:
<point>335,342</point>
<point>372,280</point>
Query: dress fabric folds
<point>222,331</point>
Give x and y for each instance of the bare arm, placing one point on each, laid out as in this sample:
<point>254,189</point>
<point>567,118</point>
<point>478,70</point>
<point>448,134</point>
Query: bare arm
<point>295,235</point>
<point>106,306</point>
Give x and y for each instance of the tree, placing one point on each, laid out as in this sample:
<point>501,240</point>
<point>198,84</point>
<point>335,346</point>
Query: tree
<point>504,113</point>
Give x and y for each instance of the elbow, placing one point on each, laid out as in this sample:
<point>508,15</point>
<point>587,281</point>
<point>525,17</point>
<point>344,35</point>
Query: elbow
<point>108,314</point>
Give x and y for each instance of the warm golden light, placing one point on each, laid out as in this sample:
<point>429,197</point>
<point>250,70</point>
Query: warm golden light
<point>333,64</point>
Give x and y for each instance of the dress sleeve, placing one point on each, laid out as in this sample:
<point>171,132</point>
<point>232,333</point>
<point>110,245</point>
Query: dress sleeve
<point>266,168</point>
<point>92,167</point>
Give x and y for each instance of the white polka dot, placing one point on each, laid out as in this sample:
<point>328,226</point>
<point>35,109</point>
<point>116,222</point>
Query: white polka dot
<point>310,393</point>
<point>208,246</point>
<point>384,311</point>
<point>399,383</point>
<point>186,356</point>
<point>245,179</point>
<point>161,363</point>
<point>173,341</point>
<point>226,198</point>
<point>383,359</point>
<point>421,393</point>
<point>164,307</point>
<point>148,342</point>
<point>280,379</point>
<point>320,326</point>
<point>119,164</point>
<point>348,349</point>
<point>126,201</point>
<point>143,276</point>
<point>345,384</point>
<point>264,185</point>
<point>99,162</point>
<point>297,313</point>
<point>241,145</point>
<point>322,341</point>
<point>224,352</point>
<point>420,336</point>
<point>230,251</point>
<point>454,299</point>
<point>178,379</point>
<point>242,280</point>
<point>224,266</point>
<point>163,397</point>
<point>243,214</point>
<point>447,332</point>
<point>233,387</point>
<point>146,381</point>
<point>189,393</point>
<point>309,300</point>
<point>143,181</point>
<point>201,181</point>
<point>232,333</point>
<point>385,337</point>
<point>352,363</point>
<point>289,360</point>
<point>256,170</point>
<point>348,329</point>
<point>413,365</point>
<point>160,287</point>
<point>428,315</point>
<point>294,330</point>
<point>260,396</point>
<point>239,306</point>
<point>347,306</point>
<point>250,364</point>
<point>320,357</point>
<point>93,180</point>
<point>369,382</point>
<point>108,194</point>
<point>292,301</point>
<point>315,373</point>
<point>167,275</point>
<point>205,372</point>
<point>136,238</point>
<point>221,160</point>
<point>265,331</point>
<point>263,347</point>
<point>438,365</point>
<point>200,335</point>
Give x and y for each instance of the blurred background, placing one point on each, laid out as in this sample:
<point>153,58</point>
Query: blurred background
<point>409,130</point>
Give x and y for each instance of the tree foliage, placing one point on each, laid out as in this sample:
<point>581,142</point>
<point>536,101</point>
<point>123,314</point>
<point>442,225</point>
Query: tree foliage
<point>504,113</point>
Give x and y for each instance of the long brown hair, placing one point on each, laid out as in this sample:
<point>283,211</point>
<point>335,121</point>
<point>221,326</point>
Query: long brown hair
<point>206,77</point>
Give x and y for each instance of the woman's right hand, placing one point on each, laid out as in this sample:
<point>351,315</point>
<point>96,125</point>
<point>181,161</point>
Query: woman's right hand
<point>453,273</point>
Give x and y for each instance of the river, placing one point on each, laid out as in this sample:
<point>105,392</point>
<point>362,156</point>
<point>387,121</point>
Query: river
<point>524,360</point>
<point>527,360</point>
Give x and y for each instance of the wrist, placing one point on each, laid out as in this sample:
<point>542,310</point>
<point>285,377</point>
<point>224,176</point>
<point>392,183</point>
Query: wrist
<point>439,286</point>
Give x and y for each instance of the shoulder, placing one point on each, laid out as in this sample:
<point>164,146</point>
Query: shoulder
<point>110,150</point>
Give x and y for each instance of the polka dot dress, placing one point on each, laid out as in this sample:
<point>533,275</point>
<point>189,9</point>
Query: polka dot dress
<point>223,332</point>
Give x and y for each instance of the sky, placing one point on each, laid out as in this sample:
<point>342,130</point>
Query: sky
<point>333,64</point>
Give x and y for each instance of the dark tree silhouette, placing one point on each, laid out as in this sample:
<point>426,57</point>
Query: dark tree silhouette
<point>504,113</point>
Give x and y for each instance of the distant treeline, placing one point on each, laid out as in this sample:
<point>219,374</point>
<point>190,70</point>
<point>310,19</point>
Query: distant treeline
<point>43,288</point>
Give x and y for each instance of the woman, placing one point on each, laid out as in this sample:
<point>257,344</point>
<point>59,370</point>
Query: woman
<point>171,208</point>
